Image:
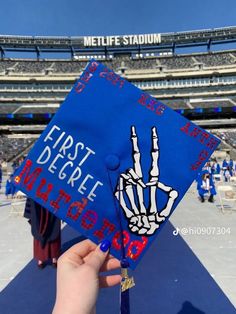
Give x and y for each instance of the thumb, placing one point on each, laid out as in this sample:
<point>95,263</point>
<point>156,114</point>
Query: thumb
<point>98,257</point>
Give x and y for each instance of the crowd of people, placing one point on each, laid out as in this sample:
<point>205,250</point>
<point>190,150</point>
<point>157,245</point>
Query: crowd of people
<point>75,66</point>
<point>228,136</point>
<point>211,172</point>
<point>227,168</point>
<point>10,147</point>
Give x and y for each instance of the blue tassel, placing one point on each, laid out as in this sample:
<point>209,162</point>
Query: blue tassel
<point>124,302</point>
<point>124,296</point>
<point>126,281</point>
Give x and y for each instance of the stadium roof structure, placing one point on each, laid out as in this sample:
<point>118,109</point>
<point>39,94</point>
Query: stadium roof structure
<point>117,43</point>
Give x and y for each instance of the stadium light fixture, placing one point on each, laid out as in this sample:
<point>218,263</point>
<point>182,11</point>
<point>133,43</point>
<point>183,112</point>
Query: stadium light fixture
<point>198,110</point>
<point>218,109</point>
<point>28,116</point>
<point>47,115</point>
<point>10,116</point>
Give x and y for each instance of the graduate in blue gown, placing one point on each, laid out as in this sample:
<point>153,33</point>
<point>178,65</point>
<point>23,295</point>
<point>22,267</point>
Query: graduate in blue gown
<point>208,167</point>
<point>227,174</point>
<point>213,167</point>
<point>0,176</point>
<point>231,167</point>
<point>218,168</point>
<point>224,164</point>
<point>226,170</point>
<point>10,188</point>
<point>205,185</point>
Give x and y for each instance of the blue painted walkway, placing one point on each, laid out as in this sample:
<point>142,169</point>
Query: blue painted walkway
<point>169,280</point>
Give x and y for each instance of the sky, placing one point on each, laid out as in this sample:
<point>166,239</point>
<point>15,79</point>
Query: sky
<point>108,17</point>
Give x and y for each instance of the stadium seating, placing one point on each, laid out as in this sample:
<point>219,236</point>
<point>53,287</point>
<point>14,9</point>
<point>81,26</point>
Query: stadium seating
<point>45,84</point>
<point>68,66</point>
<point>175,103</point>
<point>230,137</point>
<point>5,65</point>
<point>227,135</point>
<point>8,108</point>
<point>32,66</point>
<point>11,147</point>
<point>37,109</point>
<point>211,104</point>
<point>120,62</point>
<point>216,59</point>
<point>177,62</point>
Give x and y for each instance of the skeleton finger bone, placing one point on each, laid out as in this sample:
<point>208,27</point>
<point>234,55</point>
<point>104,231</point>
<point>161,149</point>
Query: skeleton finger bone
<point>154,171</point>
<point>153,228</point>
<point>145,221</point>
<point>130,195</point>
<point>159,219</point>
<point>119,194</point>
<point>128,179</point>
<point>136,178</point>
<point>137,170</point>
<point>142,231</point>
<point>136,152</point>
<point>133,228</point>
<point>172,197</point>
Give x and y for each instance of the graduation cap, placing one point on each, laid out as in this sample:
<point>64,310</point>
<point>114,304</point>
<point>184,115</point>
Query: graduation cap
<point>114,162</point>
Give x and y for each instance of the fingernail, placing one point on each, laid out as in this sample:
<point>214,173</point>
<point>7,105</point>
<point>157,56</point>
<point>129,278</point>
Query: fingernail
<point>105,245</point>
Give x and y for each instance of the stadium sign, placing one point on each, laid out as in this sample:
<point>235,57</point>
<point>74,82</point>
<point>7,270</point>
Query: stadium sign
<point>125,40</point>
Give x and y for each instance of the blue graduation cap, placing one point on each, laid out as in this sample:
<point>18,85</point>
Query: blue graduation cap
<point>114,162</point>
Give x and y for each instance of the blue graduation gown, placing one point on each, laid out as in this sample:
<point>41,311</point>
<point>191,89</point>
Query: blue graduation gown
<point>202,191</point>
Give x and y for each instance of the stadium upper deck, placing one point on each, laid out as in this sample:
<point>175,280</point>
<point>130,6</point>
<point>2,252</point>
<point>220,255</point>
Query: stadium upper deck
<point>195,84</point>
<point>206,37</point>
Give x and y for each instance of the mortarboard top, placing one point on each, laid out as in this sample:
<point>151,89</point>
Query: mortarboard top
<point>114,161</point>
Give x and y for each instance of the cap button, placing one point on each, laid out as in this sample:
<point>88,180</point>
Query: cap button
<point>112,162</point>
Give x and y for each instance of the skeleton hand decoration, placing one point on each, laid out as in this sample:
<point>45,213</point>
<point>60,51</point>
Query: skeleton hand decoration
<point>142,220</point>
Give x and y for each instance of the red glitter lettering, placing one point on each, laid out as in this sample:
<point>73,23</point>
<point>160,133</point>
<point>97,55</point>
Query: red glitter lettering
<point>107,228</point>
<point>195,132</point>
<point>201,158</point>
<point>136,247</point>
<point>142,100</point>
<point>212,143</point>
<point>116,240</point>
<point>160,110</point>
<point>30,178</point>
<point>122,82</point>
<point>151,104</point>
<point>63,196</point>
<point>44,195</point>
<point>185,128</point>
<point>203,137</point>
<point>93,67</point>
<point>79,87</point>
<point>89,219</point>
<point>76,209</point>
<point>86,77</point>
